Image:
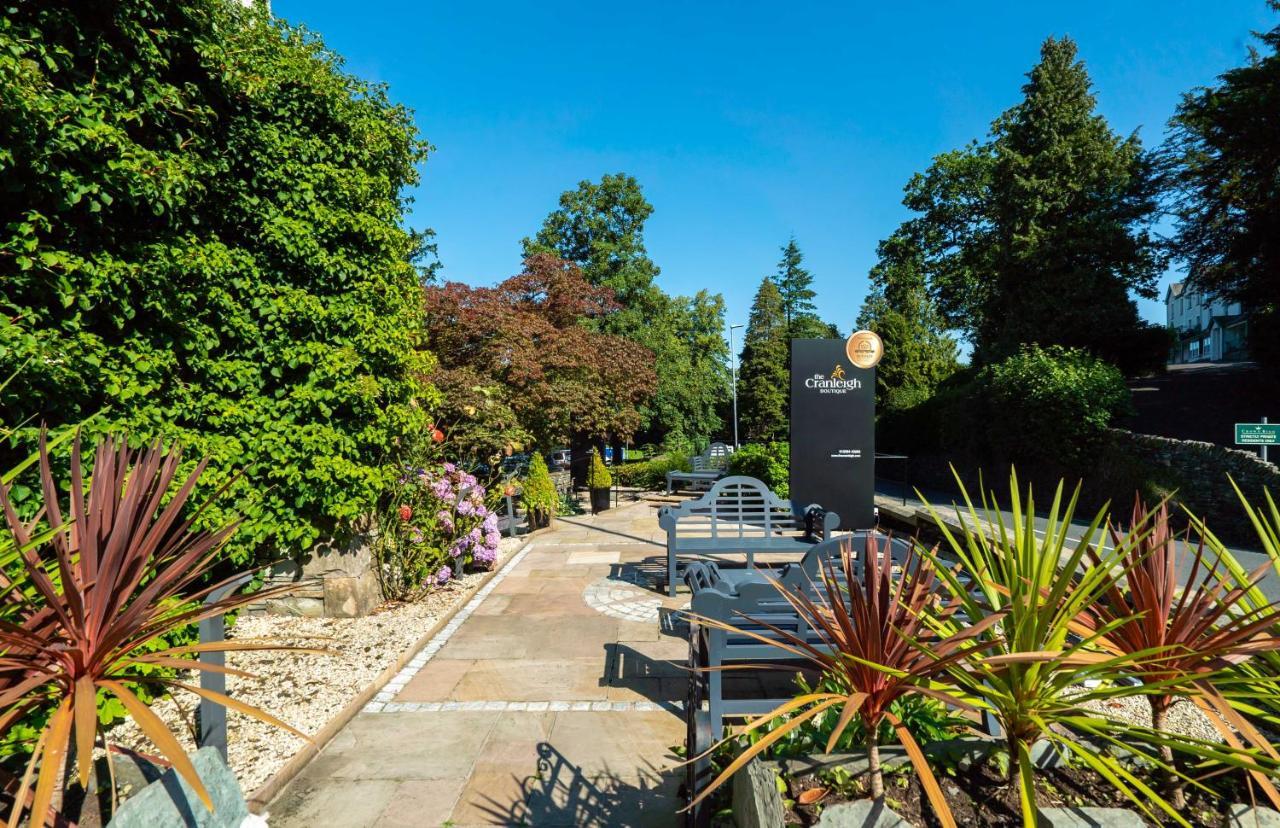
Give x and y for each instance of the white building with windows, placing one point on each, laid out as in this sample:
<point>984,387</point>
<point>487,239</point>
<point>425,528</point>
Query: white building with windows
<point>1204,329</point>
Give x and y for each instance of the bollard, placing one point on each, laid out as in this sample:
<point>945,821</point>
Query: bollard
<point>213,716</point>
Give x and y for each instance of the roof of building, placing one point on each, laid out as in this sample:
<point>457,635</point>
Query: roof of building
<point>1227,320</point>
<point>1175,290</point>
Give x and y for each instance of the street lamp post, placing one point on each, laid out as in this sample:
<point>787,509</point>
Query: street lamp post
<point>733,364</point>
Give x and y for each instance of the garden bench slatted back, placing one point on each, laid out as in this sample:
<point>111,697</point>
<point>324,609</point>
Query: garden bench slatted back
<point>708,467</point>
<point>740,515</point>
<point>748,601</point>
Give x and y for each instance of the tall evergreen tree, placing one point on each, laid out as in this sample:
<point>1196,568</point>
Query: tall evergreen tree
<point>1226,177</point>
<point>918,353</point>
<point>600,228</point>
<point>763,381</point>
<point>794,284</point>
<point>1041,234</point>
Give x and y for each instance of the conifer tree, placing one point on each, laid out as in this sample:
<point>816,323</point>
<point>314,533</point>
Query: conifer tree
<point>918,352</point>
<point>764,385</point>
<point>1042,233</point>
<point>794,284</point>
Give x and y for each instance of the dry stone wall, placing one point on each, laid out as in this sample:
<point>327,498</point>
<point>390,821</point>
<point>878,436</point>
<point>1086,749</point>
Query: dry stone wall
<point>1201,471</point>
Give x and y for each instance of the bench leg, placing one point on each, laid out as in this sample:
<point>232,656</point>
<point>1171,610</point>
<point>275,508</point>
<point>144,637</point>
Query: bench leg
<point>673,573</point>
<point>715,698</point>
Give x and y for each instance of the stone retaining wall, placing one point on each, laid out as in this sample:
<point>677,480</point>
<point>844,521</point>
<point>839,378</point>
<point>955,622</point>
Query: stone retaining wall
<point>335,581</point>
<point>1201,471</point>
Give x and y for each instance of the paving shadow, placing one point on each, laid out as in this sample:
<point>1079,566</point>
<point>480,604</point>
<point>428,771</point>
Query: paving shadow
<point>659,680</point>
<point>614,532</point>
<point>650,573</point>
<point>559,793</point>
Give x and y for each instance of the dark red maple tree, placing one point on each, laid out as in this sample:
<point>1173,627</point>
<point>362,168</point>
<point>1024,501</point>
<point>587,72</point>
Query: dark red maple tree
<point>531,347</point>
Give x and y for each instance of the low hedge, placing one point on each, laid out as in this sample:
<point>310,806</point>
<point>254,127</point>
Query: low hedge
<point>651,474</point>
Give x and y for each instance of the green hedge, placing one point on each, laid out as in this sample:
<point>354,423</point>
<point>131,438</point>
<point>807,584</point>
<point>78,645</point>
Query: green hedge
<point>768,462</point>
<point>651,474</point>
<point>1045,407</point>
<point>205,242</point>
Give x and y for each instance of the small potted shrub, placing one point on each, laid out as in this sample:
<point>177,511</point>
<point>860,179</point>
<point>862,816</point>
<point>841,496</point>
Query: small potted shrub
<point>599,482</point>
<point>538,494</point>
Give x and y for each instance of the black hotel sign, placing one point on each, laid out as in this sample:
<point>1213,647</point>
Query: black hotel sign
<point>833,410</point>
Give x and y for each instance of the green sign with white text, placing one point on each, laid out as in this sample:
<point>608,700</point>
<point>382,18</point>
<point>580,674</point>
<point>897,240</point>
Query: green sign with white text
<point>1258,434</point>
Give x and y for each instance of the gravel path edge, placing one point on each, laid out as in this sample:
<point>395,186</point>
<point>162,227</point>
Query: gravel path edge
<point>261,798</point>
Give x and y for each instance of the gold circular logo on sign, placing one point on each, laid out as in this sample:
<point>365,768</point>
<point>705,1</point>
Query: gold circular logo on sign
<point>864,349</point>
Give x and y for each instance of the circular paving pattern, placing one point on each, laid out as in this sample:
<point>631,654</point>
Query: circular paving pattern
<point>618,597</point>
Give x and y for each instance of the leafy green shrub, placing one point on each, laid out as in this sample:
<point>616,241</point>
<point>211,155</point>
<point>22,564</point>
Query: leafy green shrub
<point>538,493</point>
<point>210,248</point>
<point>598,476</point>
<point>927,720</point>
<point>767,462</point>
<point>651,474</point>
<point>1049,405</point>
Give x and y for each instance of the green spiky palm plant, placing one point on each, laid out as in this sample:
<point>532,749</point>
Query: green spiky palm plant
<point>1039,671</point>
<point>89,592</point>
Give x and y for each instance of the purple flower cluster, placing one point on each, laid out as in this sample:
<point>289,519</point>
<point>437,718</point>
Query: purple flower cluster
<point>461,526</point>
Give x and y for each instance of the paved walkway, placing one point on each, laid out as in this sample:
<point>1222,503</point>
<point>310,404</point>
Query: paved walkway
<point>553,698</point>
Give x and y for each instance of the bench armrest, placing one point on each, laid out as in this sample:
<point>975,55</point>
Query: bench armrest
<point>701,575</point>
<point>820,522</point>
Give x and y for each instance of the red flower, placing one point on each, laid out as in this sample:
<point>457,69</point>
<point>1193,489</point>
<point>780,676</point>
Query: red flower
<point>437,435</point>
<point>406,512</point>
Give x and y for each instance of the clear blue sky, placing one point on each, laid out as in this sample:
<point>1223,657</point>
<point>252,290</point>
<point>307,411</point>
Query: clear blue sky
<point>745,122</point>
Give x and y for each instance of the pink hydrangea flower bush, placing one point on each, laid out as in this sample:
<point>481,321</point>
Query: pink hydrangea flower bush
<point>437,526</point>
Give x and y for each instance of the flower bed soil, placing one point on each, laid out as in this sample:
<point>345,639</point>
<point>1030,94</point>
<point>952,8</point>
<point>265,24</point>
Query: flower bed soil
<point>983,796</point>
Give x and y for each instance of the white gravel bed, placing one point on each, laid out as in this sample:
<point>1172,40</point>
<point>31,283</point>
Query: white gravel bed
<point>1184,719</point>
<point>303,689</point>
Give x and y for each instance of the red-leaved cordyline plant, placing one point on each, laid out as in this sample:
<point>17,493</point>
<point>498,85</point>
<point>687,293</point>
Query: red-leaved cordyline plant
<point>88,590</point>
<point>1186,630</point>
<point>875,646</point>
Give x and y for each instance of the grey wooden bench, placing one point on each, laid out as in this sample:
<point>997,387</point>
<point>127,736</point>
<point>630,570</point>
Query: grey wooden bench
<point>708,467</point>
<point>739,515</point>
<point>747,600</point>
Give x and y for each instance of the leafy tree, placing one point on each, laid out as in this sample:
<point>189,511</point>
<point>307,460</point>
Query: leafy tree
<point>201,236</point>
<point>523,341</point>
<point>1041,234</point>
<point>691,361</point>
<point>764,385</point>
<point>918,353</point>
<point>600,228</point>
<point>1226,177</point>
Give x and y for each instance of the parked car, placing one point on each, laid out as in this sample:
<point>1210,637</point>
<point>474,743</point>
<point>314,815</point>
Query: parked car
<point>517,465</point>
<point>559,459</point>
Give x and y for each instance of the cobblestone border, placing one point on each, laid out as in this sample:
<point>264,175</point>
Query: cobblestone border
<point>524,707</point>
<point>400,679</point>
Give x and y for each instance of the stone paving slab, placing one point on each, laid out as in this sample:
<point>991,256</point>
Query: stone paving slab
<point>532,707</point>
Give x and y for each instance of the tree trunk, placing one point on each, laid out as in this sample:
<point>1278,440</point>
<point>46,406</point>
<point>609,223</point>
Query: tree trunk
<point>873,761</point>
<point>1159,718</point>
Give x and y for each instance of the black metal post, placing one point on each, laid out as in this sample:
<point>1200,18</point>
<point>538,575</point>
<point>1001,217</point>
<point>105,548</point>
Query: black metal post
<point>213,716</point>
<point>511,518</point>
